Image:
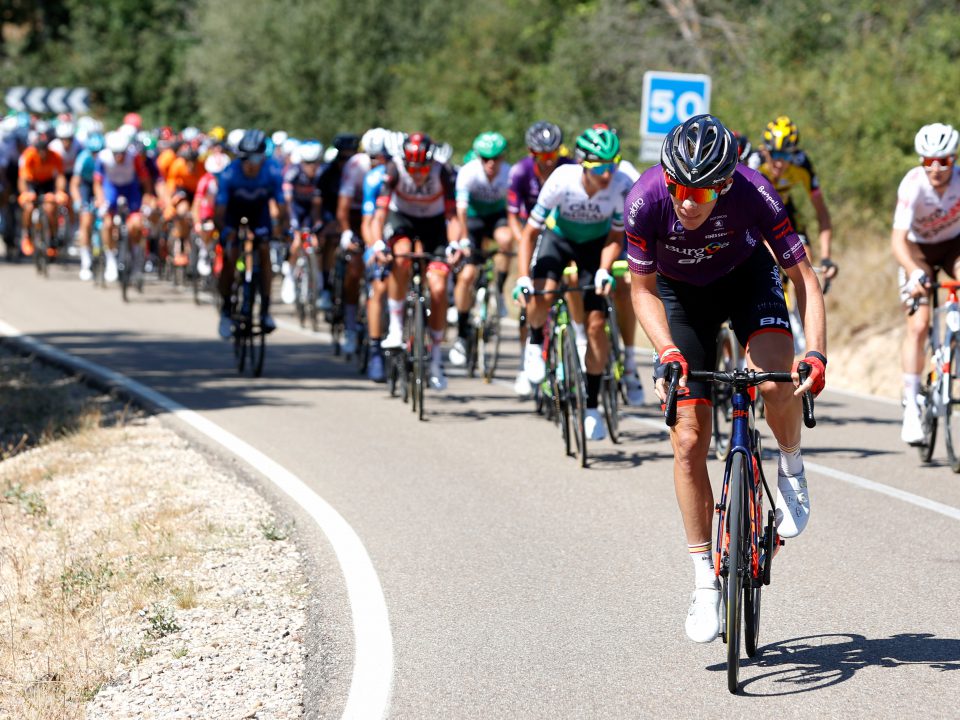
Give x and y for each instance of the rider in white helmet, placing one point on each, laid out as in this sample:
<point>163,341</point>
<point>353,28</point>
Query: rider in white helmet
<point>925,239</point>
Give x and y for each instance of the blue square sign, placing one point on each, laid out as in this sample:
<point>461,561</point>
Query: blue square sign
<point>671,98</point>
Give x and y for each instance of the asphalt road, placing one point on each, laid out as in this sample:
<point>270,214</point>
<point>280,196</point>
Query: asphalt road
<point>519,585</point>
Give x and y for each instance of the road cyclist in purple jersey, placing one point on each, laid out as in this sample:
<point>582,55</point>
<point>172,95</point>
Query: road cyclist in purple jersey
<point>696,228</point>
<point>544,140</point>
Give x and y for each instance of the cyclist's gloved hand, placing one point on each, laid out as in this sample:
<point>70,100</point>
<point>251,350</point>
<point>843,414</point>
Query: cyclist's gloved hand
<point>915,286</point>
<point>346,239</point>
<point>380,252</point>
<point>818,373</point>
<point>601,279</point>
<point>829,267</point>
<point>523,286</point>
<point>671,354</point>
<point>466,247</point>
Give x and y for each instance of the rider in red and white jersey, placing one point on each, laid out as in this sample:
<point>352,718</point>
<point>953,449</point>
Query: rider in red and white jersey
<point>416,199</point>
<point>926,237</point>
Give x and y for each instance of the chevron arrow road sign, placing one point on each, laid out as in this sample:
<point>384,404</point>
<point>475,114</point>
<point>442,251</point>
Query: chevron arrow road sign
<point>48,100</point>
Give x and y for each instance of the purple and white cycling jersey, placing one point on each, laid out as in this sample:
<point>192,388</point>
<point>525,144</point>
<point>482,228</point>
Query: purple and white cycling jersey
<point>747,213</point>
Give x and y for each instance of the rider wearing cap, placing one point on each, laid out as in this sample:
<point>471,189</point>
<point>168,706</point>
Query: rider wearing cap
<point>926,238</point>
<point>696,225</point>
<point>578,218</point>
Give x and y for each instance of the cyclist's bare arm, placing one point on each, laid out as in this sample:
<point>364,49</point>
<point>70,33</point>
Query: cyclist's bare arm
<point>653,317</point>
<point>611,250</point>
<point>810,302</point>
<point>528,239</point>
<point>825,224</point>
<point>513,222</point>
<point>343,211</point>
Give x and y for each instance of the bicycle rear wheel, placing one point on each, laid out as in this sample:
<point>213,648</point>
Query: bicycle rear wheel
<point>575,395</point>
<point>609,396</point>
<point>735,519</point>
<point>928,418</point>
<point>951,409</point>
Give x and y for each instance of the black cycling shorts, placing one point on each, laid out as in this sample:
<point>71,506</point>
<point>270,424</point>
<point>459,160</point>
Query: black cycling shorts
<point>750,296</point>
<point>430,231</point>
<point>554,253</point>
<point>480,227</point>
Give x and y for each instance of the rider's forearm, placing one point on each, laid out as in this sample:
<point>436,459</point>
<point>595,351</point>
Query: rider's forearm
<point>650,311</point>
<point>462,219</point>
<point>611,251</point>
<point>810,303</point>
<point>525,250</point>
<point>513,221</point>
<point>343,212</point>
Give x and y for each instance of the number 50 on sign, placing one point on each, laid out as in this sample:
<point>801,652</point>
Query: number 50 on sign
<point>671,98</point>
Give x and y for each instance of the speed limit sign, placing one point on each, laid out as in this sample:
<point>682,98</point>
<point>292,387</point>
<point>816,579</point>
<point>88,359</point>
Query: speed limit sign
<point>668,100</point>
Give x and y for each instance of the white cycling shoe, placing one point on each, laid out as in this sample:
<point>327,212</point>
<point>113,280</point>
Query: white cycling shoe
<point>350,342</point>
<point>438,380</point>
<point>521,386</point>
<point>110,271</point>
<point>793,504</point>
<point>635,397</point>
<point>533,363</point>
<point>225,327</point>
<point>703,615</point>
<point>288,290</point>
<point>593,425</point>
<point>394,338</point>
<point>86,274</point>
<point>458,353</point>
<point>911,432</point>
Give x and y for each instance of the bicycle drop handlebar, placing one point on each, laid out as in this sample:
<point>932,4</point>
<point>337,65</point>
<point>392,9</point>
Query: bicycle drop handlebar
<point>740,380</point>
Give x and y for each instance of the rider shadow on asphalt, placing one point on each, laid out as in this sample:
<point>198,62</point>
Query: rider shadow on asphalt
<point>815,662</point>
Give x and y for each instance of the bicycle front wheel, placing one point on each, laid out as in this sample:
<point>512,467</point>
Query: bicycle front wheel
<point>753,585</point>
<point>420,359</point>
<point>736,520</point>
<point>576,395</point>
<point>951,408</point>
<point>489,335</point>
<point>609,396</point>
<point>728,351</point>
<point>928,419</point>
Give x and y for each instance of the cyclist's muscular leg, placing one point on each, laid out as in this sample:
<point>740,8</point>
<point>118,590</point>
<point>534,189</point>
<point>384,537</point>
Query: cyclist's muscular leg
<point>501,263</point>
<point>598,348</point>
<point>539,305</point>
<point>773,351</point>
<point>626,317</point>
<point>351,280</point>
<point>913,351</point>
<point>437,280</point>
<point>691,438</point>
<point>463,290</point>
<point>399,279</point>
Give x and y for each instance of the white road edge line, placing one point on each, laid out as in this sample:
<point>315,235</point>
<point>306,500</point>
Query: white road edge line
<point>860,482</point>
<point>372,682</point>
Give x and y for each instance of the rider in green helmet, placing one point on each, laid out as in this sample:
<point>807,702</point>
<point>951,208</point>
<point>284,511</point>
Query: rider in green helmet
<point>489,145</point>
<point>598,145</point>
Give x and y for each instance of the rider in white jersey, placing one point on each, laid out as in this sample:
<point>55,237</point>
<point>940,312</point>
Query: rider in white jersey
<point>926,237</point>
<point>580,210</point>
<point>481,195</point>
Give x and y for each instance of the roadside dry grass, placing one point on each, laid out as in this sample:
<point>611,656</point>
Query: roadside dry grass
<point>107,533</point>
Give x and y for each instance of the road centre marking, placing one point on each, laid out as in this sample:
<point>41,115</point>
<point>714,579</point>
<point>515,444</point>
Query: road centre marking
<point>372,681</point>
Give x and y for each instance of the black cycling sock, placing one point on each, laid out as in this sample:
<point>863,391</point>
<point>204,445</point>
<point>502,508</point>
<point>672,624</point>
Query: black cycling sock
<point>593,389</point>
<point>463,324</point>
<point>501,281</point>
<point>536,335</point>
<point>264,305</point>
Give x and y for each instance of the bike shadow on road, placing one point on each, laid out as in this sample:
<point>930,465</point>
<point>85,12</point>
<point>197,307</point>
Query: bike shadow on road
<point>816,662</point>
<point>200,374</point>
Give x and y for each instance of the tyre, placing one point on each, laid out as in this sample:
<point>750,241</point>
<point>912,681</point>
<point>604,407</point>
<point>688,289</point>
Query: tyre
<point>753,585</point>
<point>951,409</point>
<point>489,335</point>
<point>312,292</point>
<point>928,419</point>
<point>610,399</point>
<point>576,397</point>
<point>728,352</point>
<point>420,354</point>
<point>735,519</point>
<point>124,264</point>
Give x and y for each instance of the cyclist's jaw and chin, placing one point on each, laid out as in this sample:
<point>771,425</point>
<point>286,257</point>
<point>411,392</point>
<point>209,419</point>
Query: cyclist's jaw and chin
<point>691,214</point>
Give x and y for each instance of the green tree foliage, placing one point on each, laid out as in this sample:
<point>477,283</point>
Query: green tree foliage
<point>858,76</point>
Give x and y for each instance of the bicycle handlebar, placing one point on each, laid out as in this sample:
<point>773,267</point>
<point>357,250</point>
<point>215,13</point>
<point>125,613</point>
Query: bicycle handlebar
<point>741,380</point>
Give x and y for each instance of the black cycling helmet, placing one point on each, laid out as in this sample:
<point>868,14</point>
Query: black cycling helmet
<point>700,153</point>
<point>253,142</point>
<point>544,136</point>
<point>346,142</point>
